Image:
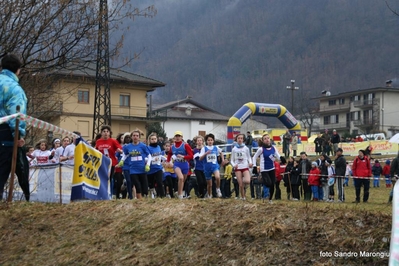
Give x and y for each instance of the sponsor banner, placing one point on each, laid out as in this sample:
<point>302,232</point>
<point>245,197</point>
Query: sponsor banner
<point>91,173</point>
<point>45,185</point>
<point>351,148</point>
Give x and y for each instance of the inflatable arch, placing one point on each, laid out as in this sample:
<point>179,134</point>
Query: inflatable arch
<point>262,109</point>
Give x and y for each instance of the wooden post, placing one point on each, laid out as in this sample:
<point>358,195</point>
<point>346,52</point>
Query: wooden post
<point>14,158</point>
<point>60,176</point>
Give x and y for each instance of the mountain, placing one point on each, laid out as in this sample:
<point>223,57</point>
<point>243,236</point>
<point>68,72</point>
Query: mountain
<point>226,53</point>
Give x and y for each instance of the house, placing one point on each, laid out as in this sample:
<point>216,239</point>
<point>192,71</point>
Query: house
<point>361,111</point>
<point>192,118</point>
<point>70,100</point>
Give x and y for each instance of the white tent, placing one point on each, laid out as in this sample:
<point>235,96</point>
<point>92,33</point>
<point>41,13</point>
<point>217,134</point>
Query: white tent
<point>395,138</point>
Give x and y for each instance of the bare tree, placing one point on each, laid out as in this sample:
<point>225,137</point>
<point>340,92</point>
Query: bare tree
<point>307,111</point>
<point>52,34</point>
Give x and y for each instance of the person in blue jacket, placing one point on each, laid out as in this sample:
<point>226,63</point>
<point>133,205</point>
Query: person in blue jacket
<point>155,174</point>
<point>11,96</point>
<point>140,159</point>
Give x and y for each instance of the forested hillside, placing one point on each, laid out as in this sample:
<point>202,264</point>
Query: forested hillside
<point>225,53</point>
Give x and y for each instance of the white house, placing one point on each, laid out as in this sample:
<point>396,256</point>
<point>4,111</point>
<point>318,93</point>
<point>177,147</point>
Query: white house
<point>192,118</point>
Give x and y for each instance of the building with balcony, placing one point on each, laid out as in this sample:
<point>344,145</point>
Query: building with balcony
<point>70,100</point>
<point>361,111</point>
<point>192,118</point>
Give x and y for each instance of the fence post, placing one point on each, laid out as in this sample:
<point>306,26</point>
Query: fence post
<point>14,158</point>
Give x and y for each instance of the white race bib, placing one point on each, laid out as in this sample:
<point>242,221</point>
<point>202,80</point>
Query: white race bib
<point>211,158</point>
<point>136,158</point>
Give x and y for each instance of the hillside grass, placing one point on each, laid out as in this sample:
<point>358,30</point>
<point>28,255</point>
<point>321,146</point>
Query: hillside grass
<point>197,231</point>
<point>194,232</point>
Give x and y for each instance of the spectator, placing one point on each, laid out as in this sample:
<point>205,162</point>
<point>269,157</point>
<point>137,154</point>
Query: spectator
<point>377,171</point>
<point>294,143</point>
<point>286,143</point>
<point>340,170</point>
<point>335,140</point>
<point>42,153</point>
<point>362,172</point>
<point>304,167</point>
<point>324,174</point>
<point>318,141</point>
<point>12,96</point>
<point>326,142</point>
<point>59,152</point>
<point>248,142</point>
<point>386,171</point>
<point>314,182</point>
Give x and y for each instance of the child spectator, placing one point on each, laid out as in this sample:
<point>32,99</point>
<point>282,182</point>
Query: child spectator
<point>314,182</point>
<point>29,157</point>
<point>376,171</point>
<point>41,153</point>
<point>348,172</point>
<point>331,180</point>
<point>386,172</point>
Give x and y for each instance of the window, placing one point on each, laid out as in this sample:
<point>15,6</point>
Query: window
<point>342,101</point>
<point>124,100</point>
<point>83,96</point>
<point>326,120</point>
<point>332,119</point>
<point>355,116</point>
<point>202,122</point>
<point>332,102</point>
<point>202,133</point>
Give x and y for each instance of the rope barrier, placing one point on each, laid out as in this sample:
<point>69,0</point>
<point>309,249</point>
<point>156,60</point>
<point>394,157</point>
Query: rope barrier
<point>37,123</point>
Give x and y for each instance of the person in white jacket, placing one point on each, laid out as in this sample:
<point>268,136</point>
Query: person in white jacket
<point>241,161</point>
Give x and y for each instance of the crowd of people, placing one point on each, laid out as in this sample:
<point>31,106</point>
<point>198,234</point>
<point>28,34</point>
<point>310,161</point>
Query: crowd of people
<point>174,168</point>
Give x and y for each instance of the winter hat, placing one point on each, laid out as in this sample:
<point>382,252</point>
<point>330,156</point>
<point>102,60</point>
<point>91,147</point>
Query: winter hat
<point>388,162</point>
<point>314,163</point>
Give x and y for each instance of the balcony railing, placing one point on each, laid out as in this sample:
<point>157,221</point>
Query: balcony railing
<point>338,108</point>
<point>129,111</point>
<point>363,122</point>
<point>365,103</point>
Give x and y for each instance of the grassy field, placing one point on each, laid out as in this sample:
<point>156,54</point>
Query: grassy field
<point>198,232</point>
<point>195,232</point>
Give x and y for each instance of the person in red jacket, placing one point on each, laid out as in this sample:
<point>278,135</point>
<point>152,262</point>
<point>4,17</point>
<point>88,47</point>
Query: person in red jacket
<point>361,169</point>
<point>386,171</point>
<point>314,182</point>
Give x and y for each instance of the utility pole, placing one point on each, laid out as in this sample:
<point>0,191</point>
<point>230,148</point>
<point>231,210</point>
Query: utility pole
<point>102,97</point>
<point>292,88</point>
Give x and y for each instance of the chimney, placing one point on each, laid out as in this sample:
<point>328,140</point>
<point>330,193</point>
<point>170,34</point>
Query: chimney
<point>188,111</point>
<point>388,83</point>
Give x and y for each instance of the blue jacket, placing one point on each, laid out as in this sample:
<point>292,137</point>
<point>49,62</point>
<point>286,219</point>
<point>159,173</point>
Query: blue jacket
<point>11,95</point>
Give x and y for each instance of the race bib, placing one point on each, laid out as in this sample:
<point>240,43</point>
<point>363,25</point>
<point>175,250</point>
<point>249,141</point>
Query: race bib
<point>211,158</point>
<point>239,155</point>
<point>156,160</point>
<point>136,158</point>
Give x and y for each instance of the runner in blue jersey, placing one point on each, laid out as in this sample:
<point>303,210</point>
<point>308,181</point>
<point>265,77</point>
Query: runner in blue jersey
<point>199,166</point>
<point>155,174</point>
<point>270,154</point>
<point>181,153</point>
<point>140,159</point>
<point>210,154</point>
